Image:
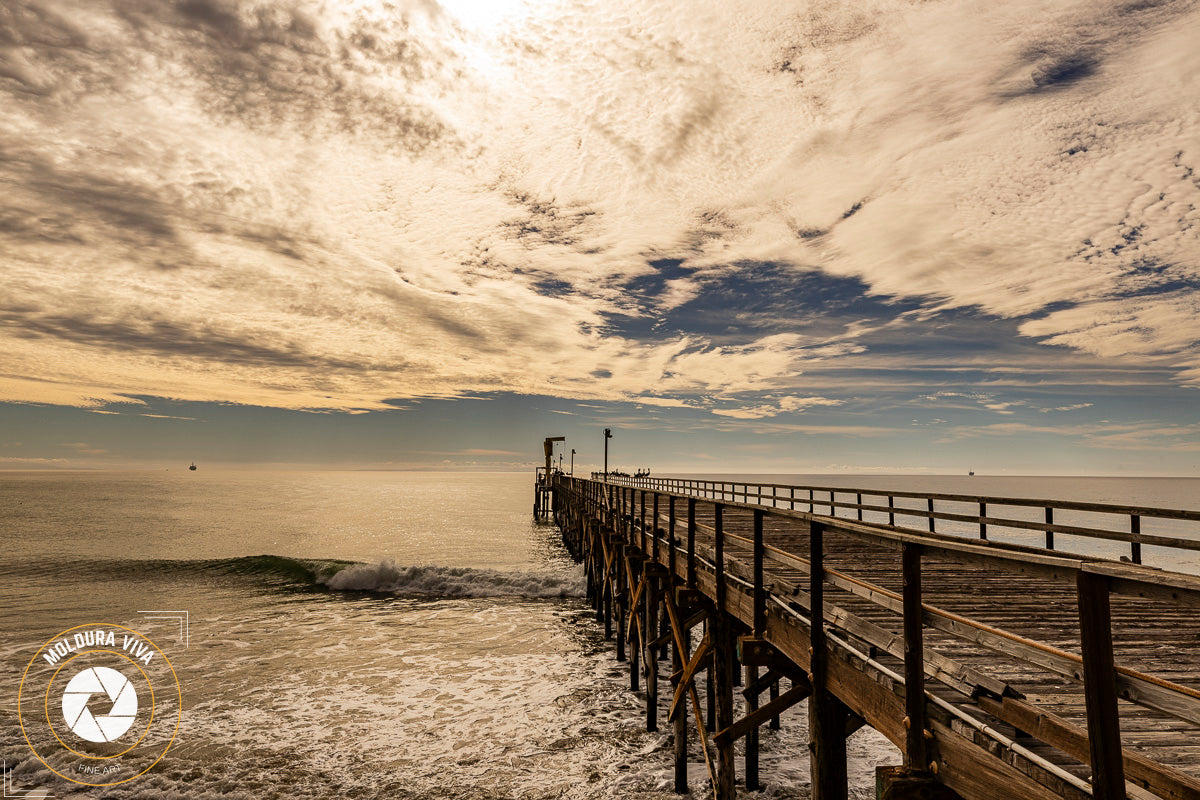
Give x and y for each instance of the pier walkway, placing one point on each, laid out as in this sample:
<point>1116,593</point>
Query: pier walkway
<point>1010,648</point>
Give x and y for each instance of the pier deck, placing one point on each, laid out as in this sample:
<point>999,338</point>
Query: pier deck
<point>999,670</point>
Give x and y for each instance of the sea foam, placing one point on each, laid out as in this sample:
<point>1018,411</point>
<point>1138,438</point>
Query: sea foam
<point>388,578</point>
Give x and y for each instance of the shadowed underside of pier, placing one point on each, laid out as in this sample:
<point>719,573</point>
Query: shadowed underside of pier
<point>999,671</point>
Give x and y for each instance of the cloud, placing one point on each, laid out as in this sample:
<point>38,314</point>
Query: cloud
<point>338,206</point>
<point>783,405</point>
<point>17,462</point>
<point>84,448</point>
<point>1144,437</point>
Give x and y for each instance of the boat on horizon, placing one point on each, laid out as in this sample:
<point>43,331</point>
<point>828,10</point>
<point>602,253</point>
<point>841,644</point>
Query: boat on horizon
<point>193,466</point>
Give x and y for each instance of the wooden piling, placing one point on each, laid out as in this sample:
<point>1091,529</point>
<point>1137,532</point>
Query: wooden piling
<point>680,656</point>
<point>826,713</point>
<point>620,599</point>
<point>649,658</point>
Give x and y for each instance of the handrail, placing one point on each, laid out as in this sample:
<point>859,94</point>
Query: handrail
<point>769,495</point>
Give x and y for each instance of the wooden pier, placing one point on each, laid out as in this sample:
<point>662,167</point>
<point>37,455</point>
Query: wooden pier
<point>999,670</point>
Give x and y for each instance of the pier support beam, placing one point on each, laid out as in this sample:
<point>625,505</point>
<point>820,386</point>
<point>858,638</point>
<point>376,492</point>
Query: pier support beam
<point>828,719</point>
<point>900,783</point>
<point>723,667</point>
<point>621,591</point>
<point>751,756</point>
<point>607,587</point>
<point>827,715</point>
<point>680,657</point>
<point>635,641</point>
<point>649,657</point>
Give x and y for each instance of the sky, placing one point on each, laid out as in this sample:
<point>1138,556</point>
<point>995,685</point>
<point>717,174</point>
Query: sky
<point>870,236</point>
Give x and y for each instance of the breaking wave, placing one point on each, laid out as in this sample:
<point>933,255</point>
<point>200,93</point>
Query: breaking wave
<point>291,574</point>
<point>388,578</point>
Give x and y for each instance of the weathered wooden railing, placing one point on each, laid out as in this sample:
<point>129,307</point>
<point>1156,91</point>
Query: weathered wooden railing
<point>757,559</point>
<point>1096,521</point>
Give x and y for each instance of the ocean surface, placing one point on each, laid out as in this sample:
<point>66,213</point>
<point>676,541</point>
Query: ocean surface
<point>363,634</point>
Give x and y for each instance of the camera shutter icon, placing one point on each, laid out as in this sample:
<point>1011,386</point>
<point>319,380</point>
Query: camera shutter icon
<point>107,727</point>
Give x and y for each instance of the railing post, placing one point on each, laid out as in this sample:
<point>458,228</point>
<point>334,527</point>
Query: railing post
<point>929,507</point>
<point>858,502</point>
<point>915,756</point>
<point>1049,534</point>
<point>654,529</point>
<point>671,537</point>
<point>891,510</point>
<point>982,524</point>
<point>619,510</point>
<point>760,592</point>
<point>691,543</point>
<point>1135,547</point>
<point>1100,687</point>
<point>642,518</point>
<point>719,547</point>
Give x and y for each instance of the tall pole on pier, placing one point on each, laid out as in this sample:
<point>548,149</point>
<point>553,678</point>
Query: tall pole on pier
<point>607,436</point>
<point>572,460</point>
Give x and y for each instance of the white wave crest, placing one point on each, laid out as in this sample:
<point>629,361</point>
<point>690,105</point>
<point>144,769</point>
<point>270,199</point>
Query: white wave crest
<point>388,578</point>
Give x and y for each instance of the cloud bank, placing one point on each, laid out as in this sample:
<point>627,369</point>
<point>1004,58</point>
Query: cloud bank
<point>337,205</point>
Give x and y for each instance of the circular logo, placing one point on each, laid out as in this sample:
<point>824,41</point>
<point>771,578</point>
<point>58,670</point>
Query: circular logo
<point>99,681</point>
<point>92,705</point>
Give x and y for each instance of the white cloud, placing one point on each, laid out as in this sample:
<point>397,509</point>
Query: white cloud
<point>191,212</point>
<point>782,405</point>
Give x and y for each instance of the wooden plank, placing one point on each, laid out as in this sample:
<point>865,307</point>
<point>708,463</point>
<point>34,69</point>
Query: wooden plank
<point>1170,698</point>
<point>1139,581</point>
<point>976,773</point>
<point>763,682</point>
<point>699,660</point>
<point>798,693</point>
<point>1164,781</point>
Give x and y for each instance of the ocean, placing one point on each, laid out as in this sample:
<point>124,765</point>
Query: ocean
<point>349,634</point>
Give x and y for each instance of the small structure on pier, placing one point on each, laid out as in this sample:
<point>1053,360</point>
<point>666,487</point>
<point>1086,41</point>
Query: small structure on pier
<point>543,490</point>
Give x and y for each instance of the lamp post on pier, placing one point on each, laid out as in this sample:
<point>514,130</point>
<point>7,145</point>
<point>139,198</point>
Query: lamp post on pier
<point>607,436</point>
<point>572,461</point>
